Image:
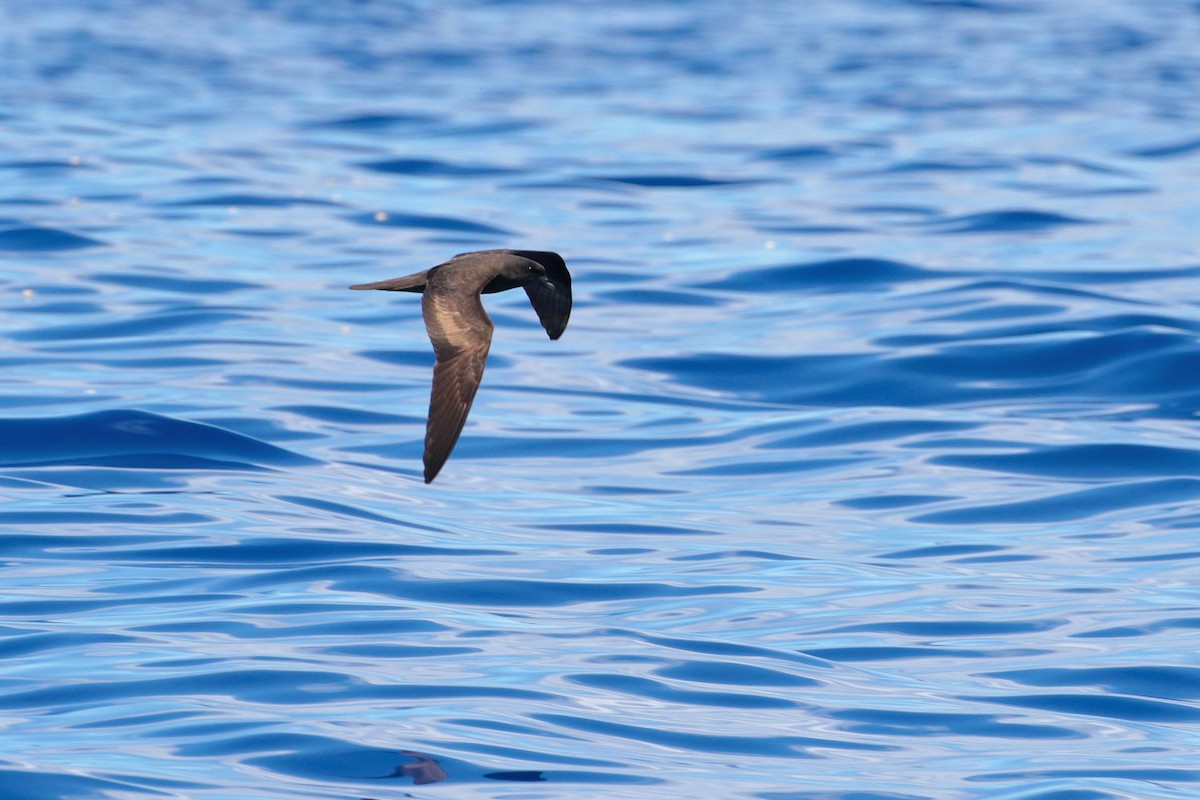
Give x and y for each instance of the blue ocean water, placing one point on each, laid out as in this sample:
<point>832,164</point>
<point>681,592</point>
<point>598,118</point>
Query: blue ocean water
<point>867,469</point>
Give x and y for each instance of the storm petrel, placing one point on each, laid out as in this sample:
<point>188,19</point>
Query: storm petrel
<point>461,330</point>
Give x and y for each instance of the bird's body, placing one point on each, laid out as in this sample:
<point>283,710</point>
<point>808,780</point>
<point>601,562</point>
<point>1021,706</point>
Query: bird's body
<point>461,330</point>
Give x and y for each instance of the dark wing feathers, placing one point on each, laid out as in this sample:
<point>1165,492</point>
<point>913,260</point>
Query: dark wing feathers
<point>455,381</point>
<point>462,335</point>
<point>552,304</point>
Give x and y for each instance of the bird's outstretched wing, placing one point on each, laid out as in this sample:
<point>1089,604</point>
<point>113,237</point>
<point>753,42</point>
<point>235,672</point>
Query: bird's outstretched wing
<point>461,333</point>
<point>552,303</point>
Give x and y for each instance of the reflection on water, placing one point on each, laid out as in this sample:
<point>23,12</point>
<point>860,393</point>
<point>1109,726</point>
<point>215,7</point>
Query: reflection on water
<point>867,469</point>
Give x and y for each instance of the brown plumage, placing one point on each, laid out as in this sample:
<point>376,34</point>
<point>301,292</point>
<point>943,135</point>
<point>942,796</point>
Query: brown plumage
<point>461,330</point>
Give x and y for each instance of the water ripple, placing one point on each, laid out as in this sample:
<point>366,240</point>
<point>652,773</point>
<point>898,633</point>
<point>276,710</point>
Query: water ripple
<point>1008,221</point>
<point>128,438</point>
<point>823,276</point>
<point>44,240</point>
<point>398,219</point>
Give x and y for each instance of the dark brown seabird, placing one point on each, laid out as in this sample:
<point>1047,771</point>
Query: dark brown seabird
<point>461,330</point>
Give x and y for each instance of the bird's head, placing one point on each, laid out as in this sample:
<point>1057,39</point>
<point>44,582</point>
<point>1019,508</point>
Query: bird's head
<point>523,270</point>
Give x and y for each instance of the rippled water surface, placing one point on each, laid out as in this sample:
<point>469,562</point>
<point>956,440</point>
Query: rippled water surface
<point>867,469</point>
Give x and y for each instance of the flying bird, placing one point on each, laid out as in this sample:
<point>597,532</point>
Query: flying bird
<point>461,330</point>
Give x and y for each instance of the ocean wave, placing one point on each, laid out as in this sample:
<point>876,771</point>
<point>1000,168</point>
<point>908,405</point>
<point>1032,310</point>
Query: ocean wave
<point>133,439</point>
